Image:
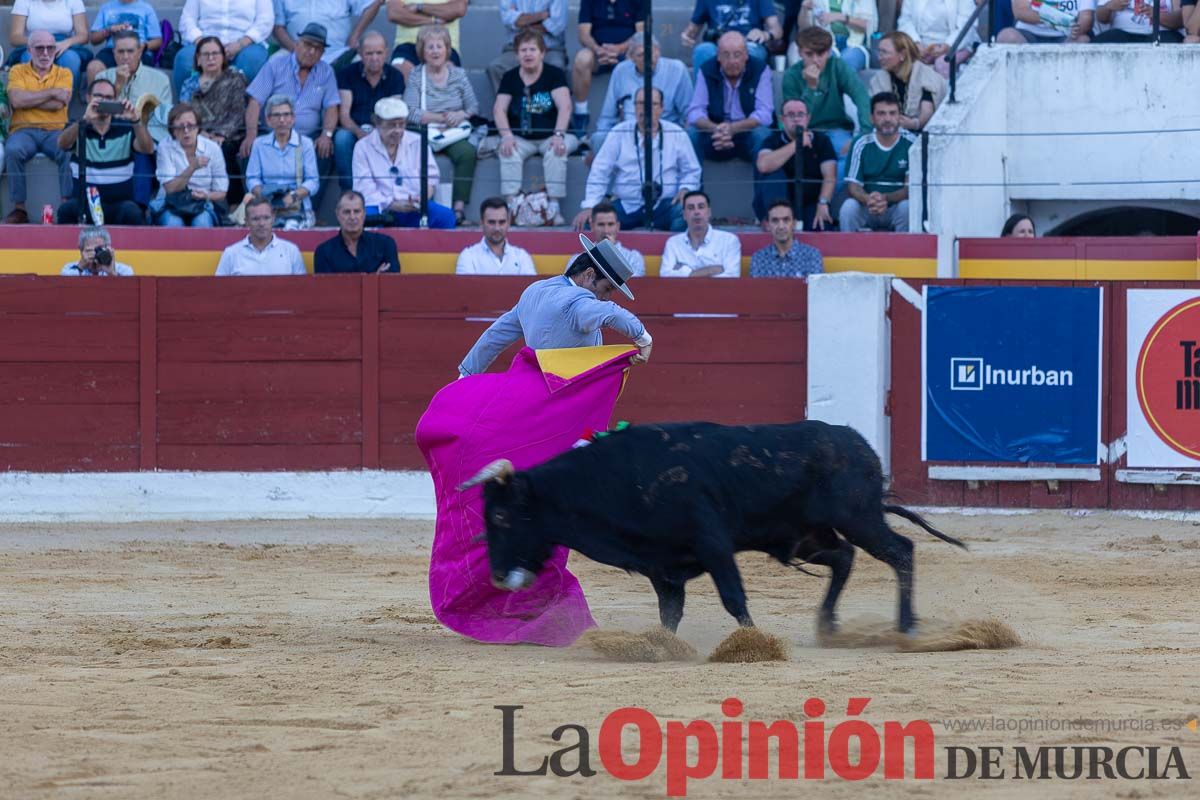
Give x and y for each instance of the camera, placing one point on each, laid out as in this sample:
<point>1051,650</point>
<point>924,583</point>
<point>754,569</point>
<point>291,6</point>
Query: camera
<point>110,107</point>
<point>103,257</point>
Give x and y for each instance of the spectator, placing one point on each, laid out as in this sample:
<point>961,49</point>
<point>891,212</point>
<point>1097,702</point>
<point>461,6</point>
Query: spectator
<point>387,171</point>
<point>217,92</point>
<point>784,257</point>
<point>293,16</point>
<point>64,20</point>
<point>775,175</point>
<point>823,81</point>
<point>440,94</point>
<point>191,174</point>
<point>545,17</point>
<point>360,87</point>
<point>1019,226</point>
<point>1132,21</point>
<point>110,145</point>
<point>755,20</point>
<point>123,15</point>
<point>605,224</point>
<point>261,252</point>
<point>851,23</point>
<point>878,174</point>
<point>733,104</point>
<point>310,82</point>
<point>1191,23</point>
<point>355,249</point>
<point>494,254</point>
<point>5,112</point>
<point>620,166</point>
<point>96,256</point>
<point>283,167</point>
<point>920,89</point>
<point>701,251</point>
<point>1030,28</point>
<point>131,80</point>
<point>242,26</point>
<point>39,93</point>
<point>535,102</point>
<point>605,27</point>
<point>411,17</point>
<point>669,75</point>
<point>934,25</point>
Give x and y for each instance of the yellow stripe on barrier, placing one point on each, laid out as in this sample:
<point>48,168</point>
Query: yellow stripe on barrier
<point>1064,269</point>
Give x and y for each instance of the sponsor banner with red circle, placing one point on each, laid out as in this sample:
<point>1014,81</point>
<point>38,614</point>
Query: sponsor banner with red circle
<point>1164,378</point>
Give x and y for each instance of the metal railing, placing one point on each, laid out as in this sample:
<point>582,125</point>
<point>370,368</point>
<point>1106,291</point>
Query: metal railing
<point>952,54</point>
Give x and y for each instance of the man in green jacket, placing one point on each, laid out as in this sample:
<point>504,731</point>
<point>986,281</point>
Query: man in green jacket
<point>822,80</point>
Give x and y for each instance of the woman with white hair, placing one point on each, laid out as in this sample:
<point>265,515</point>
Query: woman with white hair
<point>283,167</point>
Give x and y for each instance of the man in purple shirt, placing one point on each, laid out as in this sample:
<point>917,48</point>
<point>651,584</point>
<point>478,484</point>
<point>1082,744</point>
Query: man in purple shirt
<point>732,111</point>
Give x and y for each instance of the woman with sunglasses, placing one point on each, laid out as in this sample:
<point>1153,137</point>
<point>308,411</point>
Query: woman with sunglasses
<point>387,171</point>
<point>191,174</point>
<point>217,93</point>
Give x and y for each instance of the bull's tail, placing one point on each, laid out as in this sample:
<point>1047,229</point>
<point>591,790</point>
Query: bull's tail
<point>920,521</point>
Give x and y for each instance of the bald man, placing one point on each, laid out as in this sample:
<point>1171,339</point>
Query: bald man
<point>362,85</point>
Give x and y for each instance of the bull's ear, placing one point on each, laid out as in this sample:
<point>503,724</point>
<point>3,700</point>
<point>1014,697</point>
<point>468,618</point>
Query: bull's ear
<point>499,470</point>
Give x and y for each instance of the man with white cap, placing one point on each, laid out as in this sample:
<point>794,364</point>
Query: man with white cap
<point>387,170</point>
<point>567,310</point>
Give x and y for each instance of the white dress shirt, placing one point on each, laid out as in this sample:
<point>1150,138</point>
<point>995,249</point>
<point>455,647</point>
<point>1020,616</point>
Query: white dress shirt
<point>228,20</point>
<point>375,173</point>
<point>478,259</point>
<point>173,162</point>
<point>620,165</point>
<point>718,248</point>
<point>279,257</point>
<point>633,258</point>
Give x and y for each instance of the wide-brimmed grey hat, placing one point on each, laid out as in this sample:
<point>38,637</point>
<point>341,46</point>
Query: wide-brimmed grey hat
<point>610,262</point>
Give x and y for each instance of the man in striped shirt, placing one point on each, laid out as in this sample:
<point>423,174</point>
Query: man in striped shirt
<point>109,145</point>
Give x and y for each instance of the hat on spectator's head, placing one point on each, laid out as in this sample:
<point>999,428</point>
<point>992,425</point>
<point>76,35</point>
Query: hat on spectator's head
<point>609,262</point>
<point>391,108</point>
<point>315,32</point>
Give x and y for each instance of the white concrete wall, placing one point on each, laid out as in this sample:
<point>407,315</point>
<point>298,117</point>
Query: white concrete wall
<point>1068,90</point>
<point>849,355</point>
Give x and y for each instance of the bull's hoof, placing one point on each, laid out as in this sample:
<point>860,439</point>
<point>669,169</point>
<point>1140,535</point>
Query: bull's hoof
<point>827,626</point>
<point>910,630</point>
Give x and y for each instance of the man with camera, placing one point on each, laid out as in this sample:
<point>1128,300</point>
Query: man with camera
<point>113,132</point>
<point>96,256</point>
<point>805,179</point>
<point>621,166</point>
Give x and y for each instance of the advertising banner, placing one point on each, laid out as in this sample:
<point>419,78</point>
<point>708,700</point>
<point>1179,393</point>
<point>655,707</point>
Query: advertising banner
<point>1012,374</point>
<point>1163,400</point>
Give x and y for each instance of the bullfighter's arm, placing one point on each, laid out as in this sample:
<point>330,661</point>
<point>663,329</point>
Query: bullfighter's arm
<point>589,314</point>
<point>499,335</point>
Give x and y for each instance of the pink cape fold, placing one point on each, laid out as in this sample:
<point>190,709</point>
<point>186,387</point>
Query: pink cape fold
<point>527,416</point>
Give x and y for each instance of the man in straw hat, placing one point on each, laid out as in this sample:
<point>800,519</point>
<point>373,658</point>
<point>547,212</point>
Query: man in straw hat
<point>567,310</point>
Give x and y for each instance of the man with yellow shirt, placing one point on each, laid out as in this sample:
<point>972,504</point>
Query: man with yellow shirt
<point>410,16</point>
<point>38,93</point>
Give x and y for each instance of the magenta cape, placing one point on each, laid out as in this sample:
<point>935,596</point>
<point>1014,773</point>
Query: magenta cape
<point>536,410</point>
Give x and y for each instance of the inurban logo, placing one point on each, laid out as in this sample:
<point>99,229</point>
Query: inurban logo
<point>972,375</point>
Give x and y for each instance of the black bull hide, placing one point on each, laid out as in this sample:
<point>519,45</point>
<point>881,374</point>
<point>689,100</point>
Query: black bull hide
<point>674,501</point>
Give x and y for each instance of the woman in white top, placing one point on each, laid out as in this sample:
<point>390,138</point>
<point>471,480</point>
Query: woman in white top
<point>1132,21</point>
<point>191,174</point>
<point>850,21</point>
<point>243,26</point>
<point>65,19</point>
<point>934,25</point>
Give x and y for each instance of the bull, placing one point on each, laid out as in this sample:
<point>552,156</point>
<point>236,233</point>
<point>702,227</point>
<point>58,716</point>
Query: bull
<point>674,501</point>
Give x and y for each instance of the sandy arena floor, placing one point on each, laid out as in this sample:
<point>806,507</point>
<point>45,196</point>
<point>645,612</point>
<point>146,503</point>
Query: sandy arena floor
<point>301,660</point>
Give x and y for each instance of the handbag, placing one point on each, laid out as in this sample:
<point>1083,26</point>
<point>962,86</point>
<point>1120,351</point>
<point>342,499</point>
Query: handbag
<point>440,136</point>
<point>183,204</point>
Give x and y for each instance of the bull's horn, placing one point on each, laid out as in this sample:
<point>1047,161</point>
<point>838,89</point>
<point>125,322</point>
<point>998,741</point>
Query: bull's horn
<point>499,470</point>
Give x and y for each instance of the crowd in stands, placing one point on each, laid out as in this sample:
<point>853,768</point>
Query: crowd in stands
<point>263,105</point>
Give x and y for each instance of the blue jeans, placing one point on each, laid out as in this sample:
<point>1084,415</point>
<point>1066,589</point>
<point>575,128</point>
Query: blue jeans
<point>707,51</point>
<point>745,144</point>
<point>855,58</point>
<point>343,157</point>
<point>772,186</point>
<point>439,217</point>
<point>668,216</point>
<point>23,145</point>
<point>168,219</point>
<point>840,137</point>
<point>250,60</point>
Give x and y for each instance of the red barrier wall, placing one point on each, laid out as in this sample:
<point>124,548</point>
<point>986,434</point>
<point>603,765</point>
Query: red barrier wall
<point>910,474</point>
<point>334,372</point>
